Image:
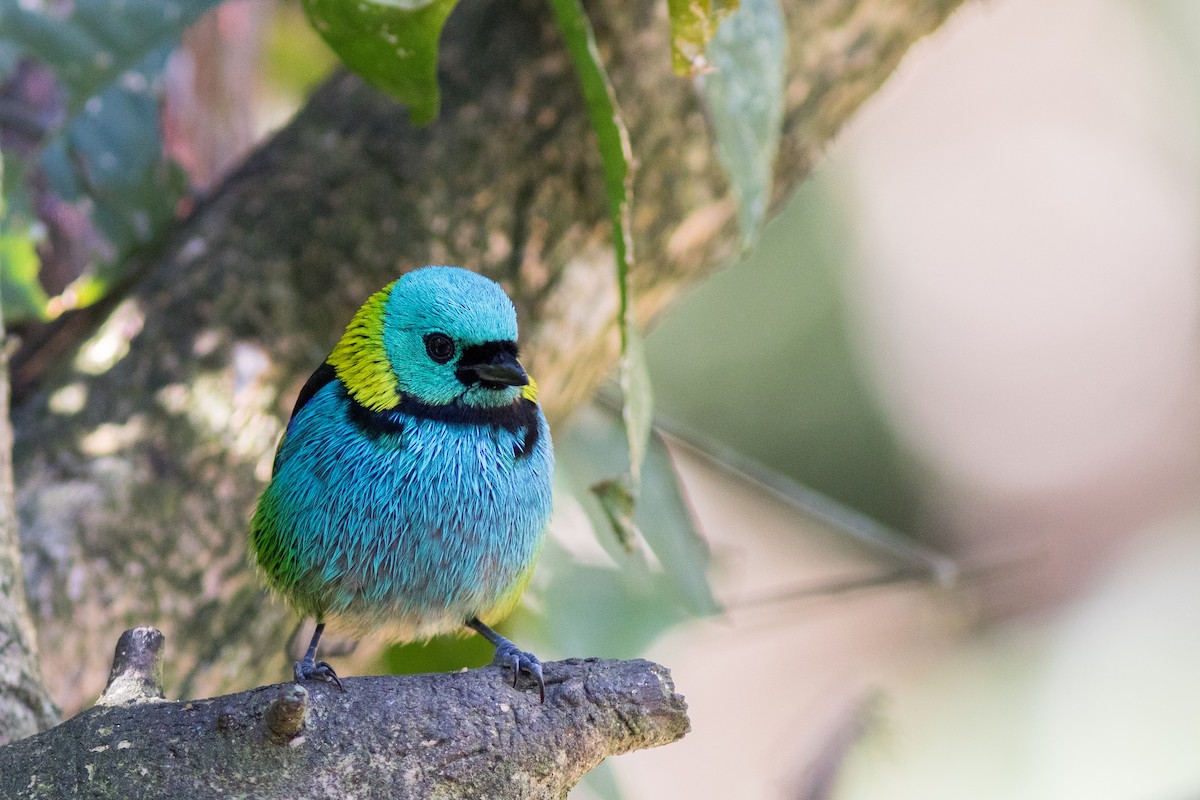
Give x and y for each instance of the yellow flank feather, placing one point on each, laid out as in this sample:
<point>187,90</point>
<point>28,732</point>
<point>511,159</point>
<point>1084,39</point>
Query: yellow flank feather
<point>360,359</point>
<point>508,601</point>
<point>530,391</point>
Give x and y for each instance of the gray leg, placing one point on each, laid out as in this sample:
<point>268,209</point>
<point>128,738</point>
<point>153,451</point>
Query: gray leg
<point>509,655</point>
<point>309,668</point>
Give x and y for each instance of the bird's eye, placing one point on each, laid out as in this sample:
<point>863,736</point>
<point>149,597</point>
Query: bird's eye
<point>440,347</point>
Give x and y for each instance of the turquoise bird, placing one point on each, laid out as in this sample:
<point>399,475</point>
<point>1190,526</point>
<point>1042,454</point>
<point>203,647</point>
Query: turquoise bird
<point>411,489</point>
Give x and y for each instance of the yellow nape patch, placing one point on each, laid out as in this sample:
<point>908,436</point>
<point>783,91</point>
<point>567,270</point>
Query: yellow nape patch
<point>360,360</point>
<point>530,391</point>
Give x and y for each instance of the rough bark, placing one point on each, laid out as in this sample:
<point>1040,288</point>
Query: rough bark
<point>459,735</point>
<point>138,464</point>
<point>25,704</point>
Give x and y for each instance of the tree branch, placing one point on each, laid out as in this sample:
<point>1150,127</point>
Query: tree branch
<point>25,705</point>
<point>467,734</point>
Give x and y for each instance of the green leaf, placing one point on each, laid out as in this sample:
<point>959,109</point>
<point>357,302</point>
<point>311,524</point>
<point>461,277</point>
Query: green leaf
<point>617,501</point>
<point>22,294</point>
<point>637,410</point>
<point>391,43</point>
<point>666,522</point>
<point>616,156</point>
<point>20,290</point>
<point>744,94</point>
<point>693,23</point>
<point>442,654</point>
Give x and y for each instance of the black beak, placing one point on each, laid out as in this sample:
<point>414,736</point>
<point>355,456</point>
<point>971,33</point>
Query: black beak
<point>500,370</point>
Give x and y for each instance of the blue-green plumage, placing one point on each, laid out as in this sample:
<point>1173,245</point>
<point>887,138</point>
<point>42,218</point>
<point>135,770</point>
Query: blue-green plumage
<point>412,487</point>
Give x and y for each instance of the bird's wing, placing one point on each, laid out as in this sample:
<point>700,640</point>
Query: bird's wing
<point>323,375</point>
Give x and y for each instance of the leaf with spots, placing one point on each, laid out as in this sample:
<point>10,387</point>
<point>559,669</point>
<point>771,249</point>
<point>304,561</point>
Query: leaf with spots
<point>391,43</point>
<point>693,23</point>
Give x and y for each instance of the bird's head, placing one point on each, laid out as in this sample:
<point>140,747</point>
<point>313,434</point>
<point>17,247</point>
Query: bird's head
<point>439,335</point>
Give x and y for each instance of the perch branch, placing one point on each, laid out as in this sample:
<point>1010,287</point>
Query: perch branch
<point>468,734</point>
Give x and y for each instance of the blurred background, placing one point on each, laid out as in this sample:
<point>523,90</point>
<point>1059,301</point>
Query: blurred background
<point>938,436</point>
<point>978,324</point>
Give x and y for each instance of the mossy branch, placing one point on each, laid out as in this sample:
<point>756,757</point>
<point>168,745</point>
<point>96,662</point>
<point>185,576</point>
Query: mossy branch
<point>467,734</point>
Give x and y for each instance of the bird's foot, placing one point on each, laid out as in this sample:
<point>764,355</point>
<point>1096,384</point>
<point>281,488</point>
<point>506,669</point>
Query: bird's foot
<point>306,670</point>
<point>508,655</point>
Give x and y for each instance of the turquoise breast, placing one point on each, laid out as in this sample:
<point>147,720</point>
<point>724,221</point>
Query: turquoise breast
<point>416,518</point>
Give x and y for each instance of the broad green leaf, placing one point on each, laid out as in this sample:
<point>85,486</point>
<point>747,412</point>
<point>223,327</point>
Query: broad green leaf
<point>391,43</point>
<point>693,23</point>
<point>744,93</point>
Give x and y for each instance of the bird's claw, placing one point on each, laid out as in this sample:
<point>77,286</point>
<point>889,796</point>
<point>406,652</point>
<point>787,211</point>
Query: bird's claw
<point>508,655</point>
<point>321,671</point>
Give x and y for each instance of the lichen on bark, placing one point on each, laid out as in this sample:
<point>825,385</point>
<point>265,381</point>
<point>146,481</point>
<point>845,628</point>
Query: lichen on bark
<point>456,735</point>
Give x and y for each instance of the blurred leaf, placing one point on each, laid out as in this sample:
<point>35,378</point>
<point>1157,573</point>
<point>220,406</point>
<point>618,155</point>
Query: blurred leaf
<point>910,559</point>
<point>617,500</point>
<point>592,610</point>
<point>391,43</point>
<point>666,523</point>
<point>601,782</point>
<point>443,654</point>
<point>107,154</point>
<point>693,23</point>
<point>23,297</point>
<point>803,406</point>
<point>111,154</point>
<point>591,447</point>
<point>20,292</point>
<point>744,92</point>
<point>296,58</point>
<point>10,54</point>
<point>90,43</point>
<point>637,410</point>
